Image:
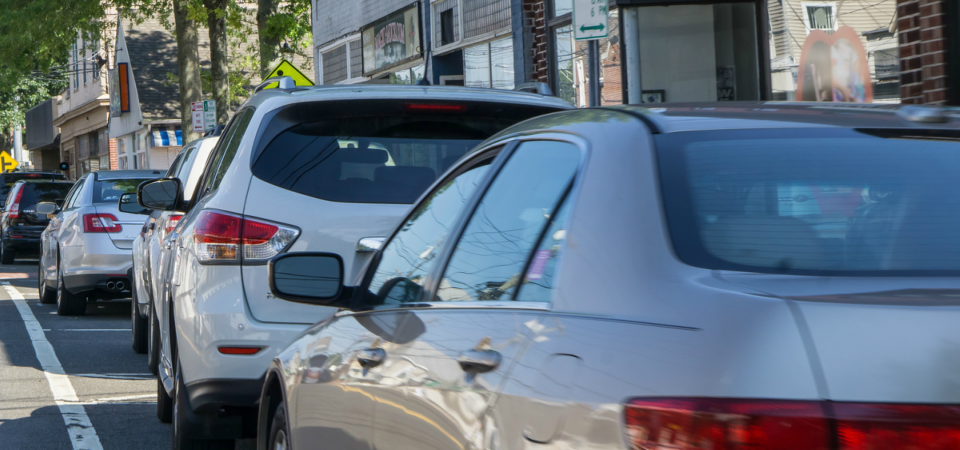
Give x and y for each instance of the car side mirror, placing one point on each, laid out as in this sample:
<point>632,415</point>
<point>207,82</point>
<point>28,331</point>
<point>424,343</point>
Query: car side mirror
<point>46,208</point>
<point>162,194</point>
<point>315,278</point>
<point>128,204</point>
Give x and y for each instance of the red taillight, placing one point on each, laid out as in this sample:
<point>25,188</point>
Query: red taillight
<point>744,424</point>
<point>238,350</point>
<point>15,206</point>
<point>100,223</point>
<point>220,237</point>
<point>173,221</point>
<point>436,107</point>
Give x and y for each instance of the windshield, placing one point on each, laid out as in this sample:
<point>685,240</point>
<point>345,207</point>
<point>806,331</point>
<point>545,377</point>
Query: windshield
<point>109,191</point>
<point>9,179</point>
<point>34,193</point>
<point>837,202</point>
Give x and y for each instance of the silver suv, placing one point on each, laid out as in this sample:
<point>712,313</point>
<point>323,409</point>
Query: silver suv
<point>330,169</point>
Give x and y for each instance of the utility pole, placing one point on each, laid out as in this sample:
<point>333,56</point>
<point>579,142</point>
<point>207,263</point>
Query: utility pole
<point>17,136</point>
<point>593,69</point>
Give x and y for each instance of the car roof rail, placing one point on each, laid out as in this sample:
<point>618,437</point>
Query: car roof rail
<point>536,88</point>
<point>282,83</point>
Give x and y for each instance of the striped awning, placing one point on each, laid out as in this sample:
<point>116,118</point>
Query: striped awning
<point>164,136</point>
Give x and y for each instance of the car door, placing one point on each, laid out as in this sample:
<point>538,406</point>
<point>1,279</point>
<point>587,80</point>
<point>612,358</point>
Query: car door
<point>69,232</point>
<point>48,239</point>
<point>58,230</point>
<point>465,327</point>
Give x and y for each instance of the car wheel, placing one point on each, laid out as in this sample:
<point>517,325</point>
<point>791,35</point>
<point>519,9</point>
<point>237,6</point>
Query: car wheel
<point>180,441</point>
<point>47,295</point>
<point>69,304</point>
<point>164,404</point>
<point>138,325</point>
<point>7,253</point>
<point>278,430</point>
<point>153,343</point>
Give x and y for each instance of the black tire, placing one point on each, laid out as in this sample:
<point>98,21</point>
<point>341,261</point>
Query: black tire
<point>69,304</point>
<point>47,295</point>
<point>279,438</point>
<point>138,325</point>
<point>153,343</point>
<point>7,254</point>
<point>180,414</point>
<point>164,404</point>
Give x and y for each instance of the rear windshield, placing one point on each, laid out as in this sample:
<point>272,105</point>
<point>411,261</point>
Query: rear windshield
<point>818,202</point>
<point>374,152</point>
<point>10,178</point>
<point>34,193</point>
<point>109,191</point>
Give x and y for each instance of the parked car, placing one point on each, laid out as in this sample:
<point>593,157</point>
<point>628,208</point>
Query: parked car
<point>7,179</point>
<point>766,276</point>
<point>20,225</point>
<point>187,167</point>
<point>85,250</point>
<point>322,169</point>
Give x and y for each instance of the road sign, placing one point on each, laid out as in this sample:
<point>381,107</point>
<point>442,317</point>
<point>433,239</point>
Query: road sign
<point>203,115</point>
<point>7,163</point>
<point>196,113</point>
<point>590,19</point>
<point>285,69</point>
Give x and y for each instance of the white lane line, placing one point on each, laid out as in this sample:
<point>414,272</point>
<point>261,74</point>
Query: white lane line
<point>89,329</point>
<point>82,434</point>
<point>117,376</point>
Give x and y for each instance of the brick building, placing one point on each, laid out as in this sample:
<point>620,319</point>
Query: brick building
<point>929,51</point>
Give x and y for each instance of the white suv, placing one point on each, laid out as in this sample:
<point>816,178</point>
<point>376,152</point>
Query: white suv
<point>328,169</point>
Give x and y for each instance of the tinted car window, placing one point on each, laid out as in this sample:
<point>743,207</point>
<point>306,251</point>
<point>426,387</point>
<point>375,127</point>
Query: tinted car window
<point>71,200</point>
<point>830,202</point>
<point>43,192</point>
<point>410,254</point>
<point>491,255</point>
<point>226,151</point>
<point>7,180</point>
<point>374,152</point>
<point>111,190</point>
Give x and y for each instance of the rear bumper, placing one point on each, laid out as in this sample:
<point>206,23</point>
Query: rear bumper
<point>99,282</point>
<point>22,237</point>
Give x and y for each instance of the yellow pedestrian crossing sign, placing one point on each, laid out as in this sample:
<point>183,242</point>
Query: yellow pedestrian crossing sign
<point>285,69</point>
<point>7,163</point>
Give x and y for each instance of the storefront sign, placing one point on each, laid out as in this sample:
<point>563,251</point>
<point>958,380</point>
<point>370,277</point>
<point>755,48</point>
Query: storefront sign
<point>590,19</point>
<point>119,90</point>
<point>391,41</point>
<point>834,68</point>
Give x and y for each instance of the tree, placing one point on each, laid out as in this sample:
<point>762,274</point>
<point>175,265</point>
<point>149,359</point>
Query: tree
<point>188,65</point>
<point>287,21</point>
<point>216,12</point>
<point>24,93</point>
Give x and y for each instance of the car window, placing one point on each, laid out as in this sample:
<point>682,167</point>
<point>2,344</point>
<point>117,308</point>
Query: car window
<point>111,190</point>
<point>411,252</point>
<point>540,275</point>
<point>43,192</point>
<point>824,202</point>
<point>177,161</point>
<point>491,254</point>
<point>74,194</point>
<point>383,151</point>
<point>226,151</point>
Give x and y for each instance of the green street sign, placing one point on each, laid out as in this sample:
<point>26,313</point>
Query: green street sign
<point>590,19</point>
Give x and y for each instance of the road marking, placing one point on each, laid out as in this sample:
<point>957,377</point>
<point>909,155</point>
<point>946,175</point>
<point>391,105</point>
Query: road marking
<point>82,434</point>
<point>118,376</point>
<point>92,329</point>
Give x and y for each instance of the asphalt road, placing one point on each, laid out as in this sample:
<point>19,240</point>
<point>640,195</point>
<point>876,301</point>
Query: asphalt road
<point>115,395</point>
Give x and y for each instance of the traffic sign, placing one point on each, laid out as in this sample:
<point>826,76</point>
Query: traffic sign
<point>590,19</point>
<point>203,115</point>
<point>285,69</point>
<point>7,163</point>
<point>196,114</point>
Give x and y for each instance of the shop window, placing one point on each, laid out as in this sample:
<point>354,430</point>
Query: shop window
<point>412,75</point>
<point>561,51</point>
<point>819,16</point>
<point>489,65</point>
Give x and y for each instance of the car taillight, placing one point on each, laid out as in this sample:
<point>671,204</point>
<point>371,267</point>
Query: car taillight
<point>172,222</point>
<point>223,238</point>
<point>746,424</point>
<point>15,206</point>
<point>100,223</point>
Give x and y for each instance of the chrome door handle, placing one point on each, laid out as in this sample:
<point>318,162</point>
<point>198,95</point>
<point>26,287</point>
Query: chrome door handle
<point>479,361</point>
<point>169,244</point>
<point>371,357</point>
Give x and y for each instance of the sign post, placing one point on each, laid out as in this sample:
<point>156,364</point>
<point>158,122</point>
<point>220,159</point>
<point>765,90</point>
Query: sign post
<point>591,21</point>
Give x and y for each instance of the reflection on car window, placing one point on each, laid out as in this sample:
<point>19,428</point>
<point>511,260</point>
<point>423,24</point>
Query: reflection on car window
<point>111,190</point>
<point>492,253</point>
<point>539,279</point>
<point>408,257</point>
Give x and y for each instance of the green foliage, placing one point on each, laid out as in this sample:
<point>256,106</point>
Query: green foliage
<point>23,94</point>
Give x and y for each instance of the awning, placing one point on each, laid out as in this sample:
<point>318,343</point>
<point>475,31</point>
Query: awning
<point>164,136</point>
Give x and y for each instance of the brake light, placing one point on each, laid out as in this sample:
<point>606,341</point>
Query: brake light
<point>173,221</point>
<point>15,206</point>
<point>100,223</point>
<point>223,238</point>
<point>744,424</point>
<point>239,350</point>
<point>436,107</point>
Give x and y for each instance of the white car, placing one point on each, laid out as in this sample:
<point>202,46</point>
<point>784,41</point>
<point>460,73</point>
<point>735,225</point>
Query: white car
<point>328,169</point>
<point>85,250</point>
<point>187,167</point>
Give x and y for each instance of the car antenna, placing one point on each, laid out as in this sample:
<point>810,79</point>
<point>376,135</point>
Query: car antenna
<point>426,66</point>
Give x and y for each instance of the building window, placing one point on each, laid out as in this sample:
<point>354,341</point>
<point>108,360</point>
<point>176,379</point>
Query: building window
<point>105,162</point>
<point>886,64</point>
<point>447,18</point>
<point>340,62</point>
<point>96,67</point>
<point>408,76</point>
<point>76,68</point>
<point>83,55</point>
<point>484,16</point>
<point>447,35</point>
<point>489,65</point>
<point>561,51</point>
<point>819,16</point>
<point>335,65</point>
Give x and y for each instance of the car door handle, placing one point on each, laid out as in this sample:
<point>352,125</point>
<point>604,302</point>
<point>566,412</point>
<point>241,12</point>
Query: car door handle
<point>169,244</point>
<point>479,361</point>
<point>371,357</point>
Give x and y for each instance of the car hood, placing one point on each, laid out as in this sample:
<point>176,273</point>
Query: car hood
<point>893,340</point>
